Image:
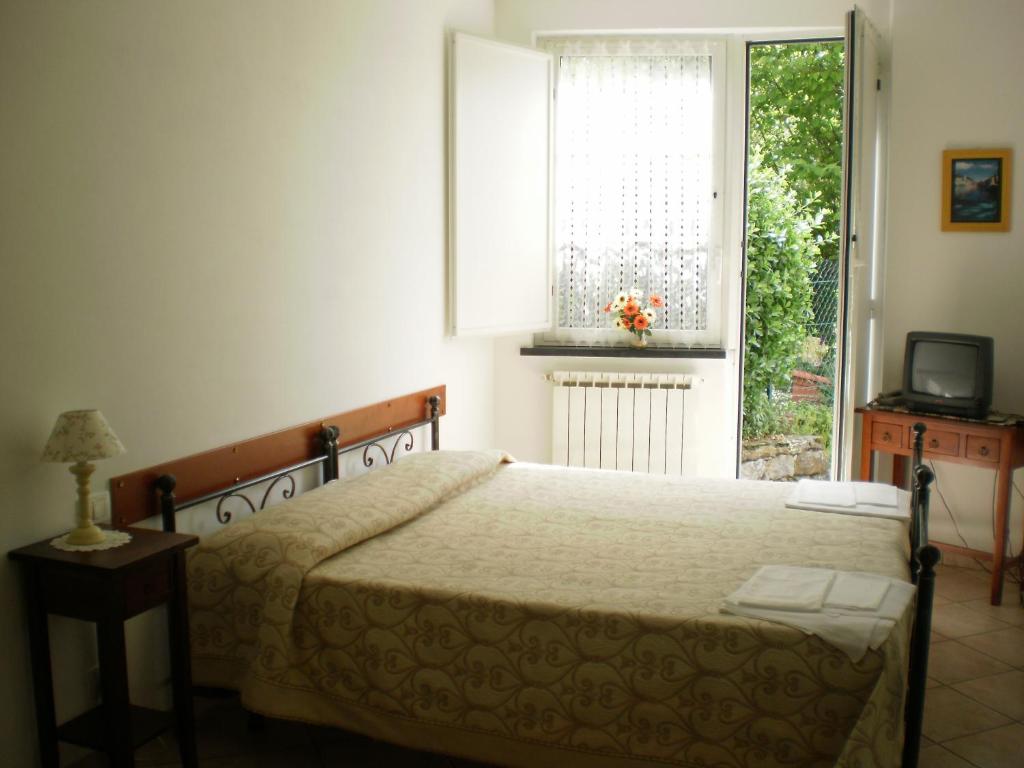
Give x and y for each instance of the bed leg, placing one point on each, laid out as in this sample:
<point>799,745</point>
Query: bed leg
<point>928,557</point>
<point>916,479</point>
<point>435,422</point>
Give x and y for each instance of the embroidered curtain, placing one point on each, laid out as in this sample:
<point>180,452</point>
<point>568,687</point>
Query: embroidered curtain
<point>633,178</point>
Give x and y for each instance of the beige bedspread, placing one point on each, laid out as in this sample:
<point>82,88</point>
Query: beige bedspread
<point>537,616</point>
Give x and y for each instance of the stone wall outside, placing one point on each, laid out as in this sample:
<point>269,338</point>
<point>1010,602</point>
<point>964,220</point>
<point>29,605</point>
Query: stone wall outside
<point>785,458</point>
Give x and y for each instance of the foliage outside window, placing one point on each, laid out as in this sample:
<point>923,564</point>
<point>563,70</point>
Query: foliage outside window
<point>794,176</point>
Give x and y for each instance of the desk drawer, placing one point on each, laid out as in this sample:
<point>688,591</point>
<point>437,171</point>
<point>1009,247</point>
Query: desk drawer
<point>983,448</point>
<point>942,443</point>
<point>148,586</point>
<point>886,435</point>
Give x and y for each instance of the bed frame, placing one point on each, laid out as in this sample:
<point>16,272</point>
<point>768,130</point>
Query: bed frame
<point>385,429</point>
<point>381,430</point>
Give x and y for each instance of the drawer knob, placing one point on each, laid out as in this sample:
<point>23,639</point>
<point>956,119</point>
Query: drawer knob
<point>983,451</point>
<point>933,443</point>
<point>886,437</point>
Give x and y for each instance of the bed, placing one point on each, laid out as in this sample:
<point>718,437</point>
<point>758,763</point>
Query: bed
<point>519,614</point>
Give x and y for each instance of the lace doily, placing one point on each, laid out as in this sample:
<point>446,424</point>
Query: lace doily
<point>112,540</point>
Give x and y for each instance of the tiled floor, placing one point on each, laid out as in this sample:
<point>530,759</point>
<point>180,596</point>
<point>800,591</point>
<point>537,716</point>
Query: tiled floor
<point>974,710</point>
<point>224,739</point>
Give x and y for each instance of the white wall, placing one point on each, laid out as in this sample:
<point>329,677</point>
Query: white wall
<point>216,220</point>
<point>956,67</point>
<point>522,398</point>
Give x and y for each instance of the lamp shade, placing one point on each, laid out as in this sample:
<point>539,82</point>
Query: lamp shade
<point>81,436</point>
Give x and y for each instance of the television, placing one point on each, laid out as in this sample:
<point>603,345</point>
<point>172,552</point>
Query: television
<point>948,373</point>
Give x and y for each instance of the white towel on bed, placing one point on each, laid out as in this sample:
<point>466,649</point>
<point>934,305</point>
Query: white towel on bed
<point>863,499</point>
<point>861,615</point>
<point>786,588</point>
<point>858,591</point>
<point>825,492</point>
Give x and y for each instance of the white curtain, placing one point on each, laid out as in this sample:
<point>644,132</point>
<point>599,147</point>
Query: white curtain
<point>633,177</point>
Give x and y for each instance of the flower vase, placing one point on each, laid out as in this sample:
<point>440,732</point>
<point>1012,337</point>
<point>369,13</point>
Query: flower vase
<point>638,342</point>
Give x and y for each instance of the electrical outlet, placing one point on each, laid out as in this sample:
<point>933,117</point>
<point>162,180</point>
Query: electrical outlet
<point>100,507</point>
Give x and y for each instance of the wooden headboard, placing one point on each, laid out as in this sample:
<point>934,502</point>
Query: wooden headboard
<point>134,496</point>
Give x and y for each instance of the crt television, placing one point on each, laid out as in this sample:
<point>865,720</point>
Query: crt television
<point>948,373</point>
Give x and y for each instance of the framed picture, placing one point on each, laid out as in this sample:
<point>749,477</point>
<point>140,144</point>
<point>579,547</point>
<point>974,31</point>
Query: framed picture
<point>976,190</point>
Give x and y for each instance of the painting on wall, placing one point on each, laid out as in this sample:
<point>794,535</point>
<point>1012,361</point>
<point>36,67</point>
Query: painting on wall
<point>976,190</point>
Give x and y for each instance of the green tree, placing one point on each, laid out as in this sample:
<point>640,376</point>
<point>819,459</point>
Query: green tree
<point>796,125</point>
<point>781,253</point>
<point>795,177</point>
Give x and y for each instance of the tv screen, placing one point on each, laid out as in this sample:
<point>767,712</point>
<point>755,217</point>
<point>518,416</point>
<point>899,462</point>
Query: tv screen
<point>948,373</point>
<point>944,369</point>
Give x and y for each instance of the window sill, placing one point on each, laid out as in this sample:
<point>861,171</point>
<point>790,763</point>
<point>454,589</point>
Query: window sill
<point>563,349</point>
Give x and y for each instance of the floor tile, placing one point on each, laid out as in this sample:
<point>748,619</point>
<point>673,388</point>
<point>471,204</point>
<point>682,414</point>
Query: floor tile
<point>937,638</point>
<point>367,753</point>
<point>1006,645</point>
<point>321,735</point>
<point>940,757</point>
<point>961,562</point>
<point>223,734</point>
<point>949,714</point>
<point>940,600</point>
<point>1004,693</point>
<point>161,751</point>
<point>931,682</point>
<point>1011,611</point>
<point>998,748</point>
<point>957,584</point>
<point>952,662</point>
<point>92,760</point>
<point>293,757</point>
<point>956,620</point>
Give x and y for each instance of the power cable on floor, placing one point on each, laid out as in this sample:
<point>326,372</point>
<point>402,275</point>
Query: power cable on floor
<point>949,510</point>
<point>1015,578</point>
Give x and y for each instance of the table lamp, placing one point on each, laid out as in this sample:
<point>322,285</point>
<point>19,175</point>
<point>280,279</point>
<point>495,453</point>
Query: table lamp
<point>80,437</point>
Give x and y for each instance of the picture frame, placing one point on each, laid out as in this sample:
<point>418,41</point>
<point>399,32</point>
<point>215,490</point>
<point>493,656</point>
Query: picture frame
<point>976,187</point>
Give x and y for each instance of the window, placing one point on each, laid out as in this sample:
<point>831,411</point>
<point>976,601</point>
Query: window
<point>637,165</point>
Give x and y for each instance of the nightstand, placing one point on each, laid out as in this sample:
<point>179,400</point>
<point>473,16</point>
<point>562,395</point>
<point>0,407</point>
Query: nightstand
<point>108,587</point>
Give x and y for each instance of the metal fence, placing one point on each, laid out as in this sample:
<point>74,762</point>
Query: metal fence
<point>825,305</point>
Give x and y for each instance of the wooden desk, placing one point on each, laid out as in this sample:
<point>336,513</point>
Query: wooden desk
<point>999,447</point>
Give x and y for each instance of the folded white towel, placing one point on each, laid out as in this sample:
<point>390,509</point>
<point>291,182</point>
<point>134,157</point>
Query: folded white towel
<point>876,494</point>
<point>857,591</point>
<point>876,503</point>
<point>825,492</point>
<point>851,629</point>
<point>786,588</point>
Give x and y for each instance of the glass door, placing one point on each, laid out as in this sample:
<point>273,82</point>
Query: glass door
<point>791,371</point>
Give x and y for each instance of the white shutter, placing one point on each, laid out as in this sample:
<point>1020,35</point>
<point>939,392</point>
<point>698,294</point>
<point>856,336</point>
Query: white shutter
<point>499,187</point>
<point>861,259</point>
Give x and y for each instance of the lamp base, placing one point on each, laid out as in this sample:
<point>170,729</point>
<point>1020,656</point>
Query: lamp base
<point>111,539</point>
<point>85,535</point>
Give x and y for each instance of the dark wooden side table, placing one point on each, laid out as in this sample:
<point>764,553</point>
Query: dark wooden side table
<point>108,587</point>
<point>994,446</point>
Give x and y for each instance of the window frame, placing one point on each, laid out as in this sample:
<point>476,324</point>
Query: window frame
<point>717,49</point>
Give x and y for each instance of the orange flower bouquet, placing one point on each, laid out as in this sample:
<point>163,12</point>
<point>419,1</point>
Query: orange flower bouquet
<point>632,317</point>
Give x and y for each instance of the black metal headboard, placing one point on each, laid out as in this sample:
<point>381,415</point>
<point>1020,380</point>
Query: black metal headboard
<point>379,447</point>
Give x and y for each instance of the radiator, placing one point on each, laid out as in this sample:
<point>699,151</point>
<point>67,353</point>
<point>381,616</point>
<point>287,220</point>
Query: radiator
<point>629,421</point>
